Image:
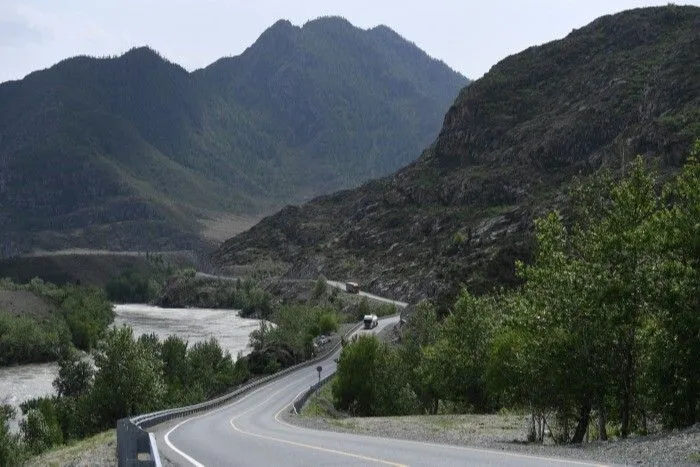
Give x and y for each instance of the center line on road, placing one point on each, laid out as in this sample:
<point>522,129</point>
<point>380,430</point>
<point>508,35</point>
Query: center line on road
<point>303,445</point>
<point>316,448</point>
<point>190,459</point>
<point>447,446</point>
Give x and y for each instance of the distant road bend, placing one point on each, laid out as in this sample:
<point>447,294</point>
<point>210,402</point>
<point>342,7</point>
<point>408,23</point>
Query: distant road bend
<point>251,432</point>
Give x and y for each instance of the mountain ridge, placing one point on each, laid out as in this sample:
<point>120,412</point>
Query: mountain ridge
<point>138,135</point>
<point>510,145</point>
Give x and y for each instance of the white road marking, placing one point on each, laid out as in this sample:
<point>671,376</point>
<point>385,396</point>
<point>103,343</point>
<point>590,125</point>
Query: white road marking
<point>303,445</point>
<point>443,446</point>
<point>222,408</point>
<point>189,459</point>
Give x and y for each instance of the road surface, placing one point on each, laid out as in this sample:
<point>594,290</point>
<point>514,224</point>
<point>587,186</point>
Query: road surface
<point>251,432</point>
<point>341,285</point>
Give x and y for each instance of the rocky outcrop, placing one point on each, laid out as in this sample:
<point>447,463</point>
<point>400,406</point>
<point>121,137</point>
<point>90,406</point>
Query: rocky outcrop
<point>462,213</point>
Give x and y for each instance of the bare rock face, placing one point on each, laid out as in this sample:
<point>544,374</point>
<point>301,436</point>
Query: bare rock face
<point>512,141</point>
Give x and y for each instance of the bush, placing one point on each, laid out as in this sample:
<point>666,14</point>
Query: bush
<point>327,322</point>
<point>11,449</point>
<point>371,380</point>
<point>88,314</point>
<point>320,288</point>
<point>26,340</point>
<point>41,430</point>
<point>130,287</point>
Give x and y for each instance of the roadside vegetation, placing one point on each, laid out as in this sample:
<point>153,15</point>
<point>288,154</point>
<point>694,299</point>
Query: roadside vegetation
<point>600,339</point>
<point>74,317</point>
<point>151,374</point>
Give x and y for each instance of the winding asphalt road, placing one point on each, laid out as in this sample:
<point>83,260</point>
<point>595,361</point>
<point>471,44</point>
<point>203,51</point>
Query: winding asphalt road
<point>251,432</point>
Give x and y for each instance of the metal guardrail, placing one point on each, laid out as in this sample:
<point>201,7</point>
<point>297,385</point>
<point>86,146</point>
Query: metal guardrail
<point>133,440</point>
<point>299,402</point>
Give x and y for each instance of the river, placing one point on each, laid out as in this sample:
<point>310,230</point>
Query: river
<point>24,382</point>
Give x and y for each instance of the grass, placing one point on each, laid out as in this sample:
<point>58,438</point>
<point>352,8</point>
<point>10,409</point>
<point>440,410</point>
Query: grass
<point>98,450</point>
<point>318,404</point>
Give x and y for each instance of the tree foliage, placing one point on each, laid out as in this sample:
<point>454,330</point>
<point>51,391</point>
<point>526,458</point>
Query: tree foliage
<point>605,326</point>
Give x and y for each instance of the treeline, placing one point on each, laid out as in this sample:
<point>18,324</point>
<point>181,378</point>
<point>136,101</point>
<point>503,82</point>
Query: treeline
<point>150,374</point>
<point>75,316</point>
<point>185,289</point>
<point>290,340</point>
<point>602,338</point>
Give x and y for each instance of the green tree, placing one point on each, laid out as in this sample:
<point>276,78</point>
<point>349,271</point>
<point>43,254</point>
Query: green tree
<point>40,429</point>
<point>353,388</point>
<point>209,369</point>
<point>455,364</point>
<point>128,379</point>
<point>320,288</point>
<point>174,356</point>
<point>11,449</point>
<point>596,322</point>
<point>371,380</point>
<point>420,332</point>
<point>88,314</point>
<point>74,376</point>
<point>672,332</point>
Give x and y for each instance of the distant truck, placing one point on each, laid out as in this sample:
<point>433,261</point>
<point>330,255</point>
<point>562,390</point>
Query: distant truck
<point>352,287</point>
<point>370,321</point>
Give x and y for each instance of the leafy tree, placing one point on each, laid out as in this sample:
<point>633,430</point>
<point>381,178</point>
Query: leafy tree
<point>672,333</point>
<point>41,429</point>
<point>327,322</point>
<point>420,332</point>
<point>128,379</point>
<point>209,368</point>
<point>371,380</point>
<point>320,288</point>
<point>605,318</point>
<point>174,356</point>
<point>74,376</point>
<point>353,388</point>
<point>129,287</point>
<point>88,314</point>
<point>11,449</point>
<point>26,340</point>
<point>455,364</point>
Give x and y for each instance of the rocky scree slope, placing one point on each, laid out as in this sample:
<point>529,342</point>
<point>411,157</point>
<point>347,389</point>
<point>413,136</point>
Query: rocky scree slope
<point>131,152</point>
<point>623,85</point>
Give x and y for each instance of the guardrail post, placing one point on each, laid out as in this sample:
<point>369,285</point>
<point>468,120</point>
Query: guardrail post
<point>132,440</point>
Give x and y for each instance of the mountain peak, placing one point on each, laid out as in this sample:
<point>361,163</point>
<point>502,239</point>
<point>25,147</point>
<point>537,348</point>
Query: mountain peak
<point>329,21</point>
<point>138,148</point>
<point>509,147</point>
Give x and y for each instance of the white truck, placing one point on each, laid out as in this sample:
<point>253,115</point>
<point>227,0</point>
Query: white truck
<point>370,321</point>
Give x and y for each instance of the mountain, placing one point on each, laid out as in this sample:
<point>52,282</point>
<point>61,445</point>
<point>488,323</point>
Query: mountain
<point>623,85</point>
<point>134,152</point>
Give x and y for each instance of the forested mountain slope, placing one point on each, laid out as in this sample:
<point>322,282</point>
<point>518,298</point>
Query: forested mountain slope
<point>131,152</point>
<point>623,85</point>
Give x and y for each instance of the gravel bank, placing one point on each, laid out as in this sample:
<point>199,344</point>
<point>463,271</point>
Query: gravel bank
<point>507,432</point>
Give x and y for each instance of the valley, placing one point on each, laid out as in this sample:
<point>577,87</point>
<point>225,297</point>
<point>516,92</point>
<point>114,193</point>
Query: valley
<point>532,233</point>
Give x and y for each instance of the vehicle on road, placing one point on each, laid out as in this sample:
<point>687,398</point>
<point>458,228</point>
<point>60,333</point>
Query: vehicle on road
<point>352,287</point>
<point>370,321</point>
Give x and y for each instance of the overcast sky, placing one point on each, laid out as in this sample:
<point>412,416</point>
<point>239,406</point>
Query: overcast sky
<point>470,36</point>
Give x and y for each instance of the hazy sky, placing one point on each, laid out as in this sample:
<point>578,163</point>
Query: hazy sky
<point>470,36</point>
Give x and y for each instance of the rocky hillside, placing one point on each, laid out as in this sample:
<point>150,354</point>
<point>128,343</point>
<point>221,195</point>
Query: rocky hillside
<point>623,85</point>
<point>132,152</point>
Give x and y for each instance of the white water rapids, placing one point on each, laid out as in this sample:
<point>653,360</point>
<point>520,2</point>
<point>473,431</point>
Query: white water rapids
<point>23,382</point>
